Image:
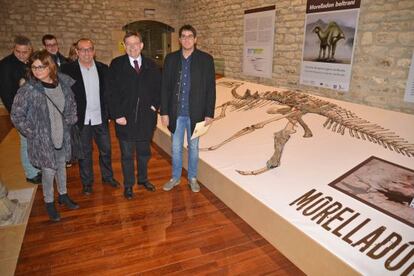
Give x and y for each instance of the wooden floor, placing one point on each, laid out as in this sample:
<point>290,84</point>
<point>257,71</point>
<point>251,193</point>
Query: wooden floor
<point>5,123</point>
<point>176,232</point>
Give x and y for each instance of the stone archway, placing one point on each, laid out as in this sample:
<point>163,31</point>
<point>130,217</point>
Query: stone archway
<point>156,37</point>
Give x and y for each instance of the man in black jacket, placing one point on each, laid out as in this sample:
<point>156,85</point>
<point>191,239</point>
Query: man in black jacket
<point>135,87</point>
<point>51,45</point>
<point>12,74</point>
<point>89,90</point>
<point>188,97</point>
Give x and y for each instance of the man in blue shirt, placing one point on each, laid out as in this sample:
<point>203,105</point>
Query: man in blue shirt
<point>188,96</point>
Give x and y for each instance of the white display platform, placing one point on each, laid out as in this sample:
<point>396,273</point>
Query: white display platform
<point>265,201</point>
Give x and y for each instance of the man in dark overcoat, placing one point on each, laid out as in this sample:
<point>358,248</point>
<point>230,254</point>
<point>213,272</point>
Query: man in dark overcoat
<point>134,83</point>
<point>12,75</point>
<point>89,90</point>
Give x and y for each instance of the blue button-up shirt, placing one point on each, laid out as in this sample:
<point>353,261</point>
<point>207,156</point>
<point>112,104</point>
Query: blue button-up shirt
<point>184,99</point>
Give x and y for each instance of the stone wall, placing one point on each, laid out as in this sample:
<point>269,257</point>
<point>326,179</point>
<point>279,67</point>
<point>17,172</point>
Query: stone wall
<point>69,20</point>
<point>384,43</point>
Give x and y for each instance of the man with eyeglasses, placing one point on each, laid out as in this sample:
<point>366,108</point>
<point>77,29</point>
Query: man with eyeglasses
<point>188,96</point>
<point>51,45</point>
<point>92,111</point>
<point>12,75</point>
<point>135,88</point>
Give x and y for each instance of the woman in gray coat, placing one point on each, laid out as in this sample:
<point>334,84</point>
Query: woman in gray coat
<point>43,111</point>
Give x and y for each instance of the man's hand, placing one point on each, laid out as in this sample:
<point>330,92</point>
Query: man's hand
<point>208,121</point>
<point>121,121</point>
<point>165,120</point>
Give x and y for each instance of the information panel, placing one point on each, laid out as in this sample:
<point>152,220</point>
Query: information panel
<point>259,29</point>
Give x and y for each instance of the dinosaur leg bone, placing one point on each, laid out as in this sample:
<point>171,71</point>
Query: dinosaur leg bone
<point>285,110</point>
<point>281,138</point>
<point>308,132</point>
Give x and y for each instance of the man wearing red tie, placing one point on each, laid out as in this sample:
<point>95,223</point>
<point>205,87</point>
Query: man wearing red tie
<point>134,83</point>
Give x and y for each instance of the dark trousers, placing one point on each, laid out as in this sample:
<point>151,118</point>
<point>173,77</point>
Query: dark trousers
<point>99,133</point>
<point>142,151</point>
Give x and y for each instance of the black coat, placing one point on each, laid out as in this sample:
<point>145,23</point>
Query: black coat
<point>132,95</point>
<point>73,69</point>
<point>202,91</point>
<point>62,59</point>
<point>12,71</point>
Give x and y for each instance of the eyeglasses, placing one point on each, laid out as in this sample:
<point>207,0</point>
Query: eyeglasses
<point>86,50</point>
<point>51,45</point>
<point>39,68</point>
<point>183,37</point>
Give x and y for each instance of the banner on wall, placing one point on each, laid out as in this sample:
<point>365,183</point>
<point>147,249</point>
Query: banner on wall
<point>409,89</point>
<point>259,29</point>
<point>329,42</point>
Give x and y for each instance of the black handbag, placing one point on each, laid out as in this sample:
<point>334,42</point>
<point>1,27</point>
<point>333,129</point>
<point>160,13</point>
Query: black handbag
<point>77,151</point>
<point>76,144</point>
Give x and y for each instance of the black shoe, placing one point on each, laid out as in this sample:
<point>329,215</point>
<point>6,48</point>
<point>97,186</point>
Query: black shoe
<point>128,194</point>
<point>148,185</point>
<point>87,190</point>
<point>35,180</point>
<point>52,212</point>
<point>112,182</point>
<point>65,199</point>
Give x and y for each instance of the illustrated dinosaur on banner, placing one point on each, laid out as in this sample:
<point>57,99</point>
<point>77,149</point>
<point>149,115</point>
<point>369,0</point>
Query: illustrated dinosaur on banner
<point>296,105</point>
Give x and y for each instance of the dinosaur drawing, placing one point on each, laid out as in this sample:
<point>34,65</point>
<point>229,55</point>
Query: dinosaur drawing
<point>294,106</point>
<point>328,37</point>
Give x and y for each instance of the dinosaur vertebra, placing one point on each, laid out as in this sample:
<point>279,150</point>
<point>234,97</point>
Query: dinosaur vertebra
<point>338,120</point>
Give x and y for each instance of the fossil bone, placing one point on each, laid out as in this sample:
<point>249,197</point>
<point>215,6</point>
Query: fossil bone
<point>296,105</point>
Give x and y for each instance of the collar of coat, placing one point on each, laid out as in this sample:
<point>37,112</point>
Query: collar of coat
<point>63,79</point>
<point>144,61</point>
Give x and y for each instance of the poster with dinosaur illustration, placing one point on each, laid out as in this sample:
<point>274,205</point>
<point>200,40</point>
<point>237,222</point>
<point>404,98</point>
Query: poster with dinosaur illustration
<point>329,42</point>
<point>383,185</point>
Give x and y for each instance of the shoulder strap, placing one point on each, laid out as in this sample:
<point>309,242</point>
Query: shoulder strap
<point>61,113</point>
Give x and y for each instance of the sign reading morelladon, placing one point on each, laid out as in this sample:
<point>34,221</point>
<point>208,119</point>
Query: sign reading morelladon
<point>344,222</point>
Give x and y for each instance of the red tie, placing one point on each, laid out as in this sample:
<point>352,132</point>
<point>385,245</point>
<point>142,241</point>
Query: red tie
<point>136,66</point>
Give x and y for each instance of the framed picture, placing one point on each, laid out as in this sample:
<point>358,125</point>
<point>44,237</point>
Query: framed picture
<point>383,185</point>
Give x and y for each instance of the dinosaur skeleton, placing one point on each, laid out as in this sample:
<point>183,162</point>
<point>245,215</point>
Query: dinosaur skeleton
<point>297,104</point>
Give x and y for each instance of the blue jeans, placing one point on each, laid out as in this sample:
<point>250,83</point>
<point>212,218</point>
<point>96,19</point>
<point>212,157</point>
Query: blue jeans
<point>184,124</point>
<point>28,168</point>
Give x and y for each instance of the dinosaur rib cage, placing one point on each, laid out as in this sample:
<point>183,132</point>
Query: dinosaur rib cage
<point>338,119</point>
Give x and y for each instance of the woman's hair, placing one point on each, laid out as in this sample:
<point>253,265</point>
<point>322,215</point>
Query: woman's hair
<point>46,59</point>
<point>72,52</point>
